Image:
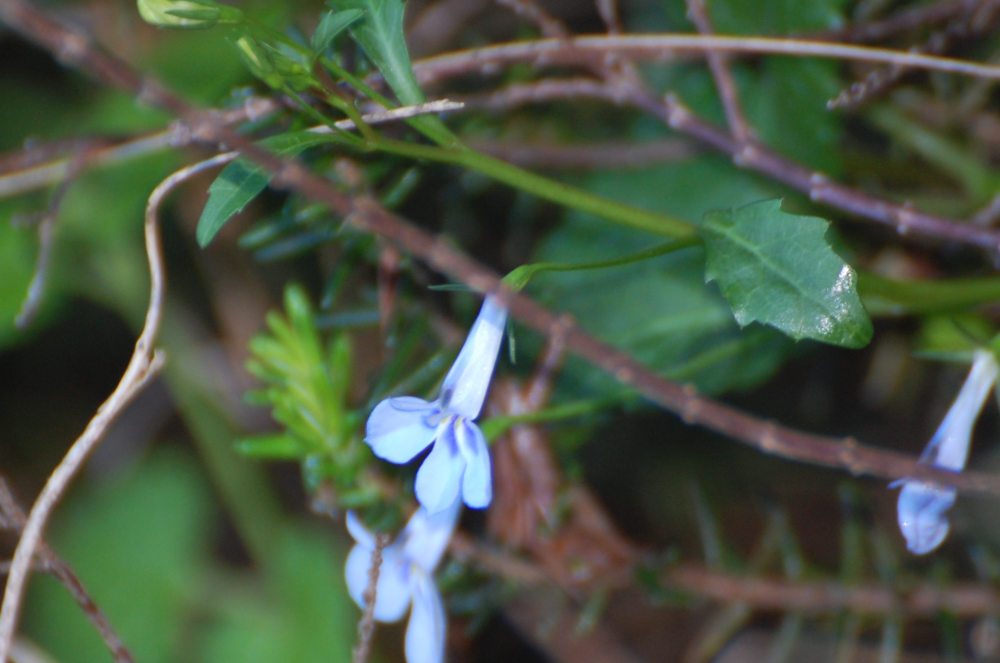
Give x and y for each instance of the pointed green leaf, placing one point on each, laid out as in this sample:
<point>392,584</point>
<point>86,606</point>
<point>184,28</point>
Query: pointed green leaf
<point>778,269</point>
<point>331,25</point>
<point>380,34</point>
<point>242,181</point>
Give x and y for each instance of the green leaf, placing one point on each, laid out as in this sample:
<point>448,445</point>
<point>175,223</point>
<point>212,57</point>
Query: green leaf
<point>242,181</point>
<point>778,269</point>
<point>380,35</point>
<point>331,25</point>
<point>659,311</point>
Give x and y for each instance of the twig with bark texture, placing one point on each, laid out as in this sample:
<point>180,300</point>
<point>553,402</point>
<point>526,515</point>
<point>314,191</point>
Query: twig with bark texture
<point>13,517</point>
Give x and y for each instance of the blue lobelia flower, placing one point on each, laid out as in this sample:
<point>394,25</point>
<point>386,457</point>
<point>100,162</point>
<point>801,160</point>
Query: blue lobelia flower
<point>406,578</point>
<point>399,428</point>
<point>922,505</point>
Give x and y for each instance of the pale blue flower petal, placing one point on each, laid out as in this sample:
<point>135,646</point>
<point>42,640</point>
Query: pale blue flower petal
<point>426,535</point>
<point>949,448</point>
<point>921,511</point>
<point>359,532</point>
<point>439,477</point>
<point>401,427</point>
<point>425,634</point>
<point>922,506</point>
<point>392,593</point>
<point>464,388</point>
<point>477,481</point>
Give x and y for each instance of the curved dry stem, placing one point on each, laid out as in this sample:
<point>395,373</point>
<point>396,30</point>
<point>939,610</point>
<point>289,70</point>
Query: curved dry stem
<point>142,367</point>
<point>434,69</point>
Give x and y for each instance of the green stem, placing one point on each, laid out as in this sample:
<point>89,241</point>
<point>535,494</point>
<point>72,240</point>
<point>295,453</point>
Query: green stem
<point>431,127</point>
<point>368,134</point>
<point>543,187</point>
<point>885,296</point>
<point>499,425</point>
<point>518,278</point>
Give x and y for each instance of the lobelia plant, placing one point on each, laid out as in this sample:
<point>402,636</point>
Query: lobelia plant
<point>922,505</point>
<point>406,578</point>
<point>401,427</point>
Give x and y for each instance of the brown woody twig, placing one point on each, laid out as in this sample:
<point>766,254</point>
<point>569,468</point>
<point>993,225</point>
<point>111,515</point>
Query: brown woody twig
<point>719,65</point>
<point>13,518</point>
<point>598,155</point>
<point>366,626</point>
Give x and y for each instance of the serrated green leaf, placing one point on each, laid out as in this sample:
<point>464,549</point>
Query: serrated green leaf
<point>331,25</point>
<point>778,269</point>
<point>242,181</point>
<point>659,311</point>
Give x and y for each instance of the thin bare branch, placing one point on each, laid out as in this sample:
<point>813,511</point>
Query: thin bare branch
<point>828,598</point>
<point>46,235</point>
<point>366,627</point>
<point>724,83</point>
<point>975,20</point>
<point>63,572</point>
<point>906,19</point>
<point>142,367</point>
<point>19,178</point>
<point>576,156</point>
<point>763,593</point>
<point>582,50</point>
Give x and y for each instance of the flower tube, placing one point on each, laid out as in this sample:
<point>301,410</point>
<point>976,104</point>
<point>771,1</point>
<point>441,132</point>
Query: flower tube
<point>922,505</point>
<point>401,427</point>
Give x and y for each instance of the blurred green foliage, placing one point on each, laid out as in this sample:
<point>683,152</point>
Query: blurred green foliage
<point>143,545</point>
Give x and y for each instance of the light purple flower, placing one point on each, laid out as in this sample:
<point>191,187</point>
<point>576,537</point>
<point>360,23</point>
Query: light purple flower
<point>923,505</point>
<point>401,427</point>
<point>406,578</point>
